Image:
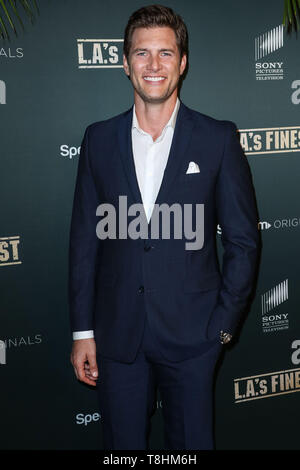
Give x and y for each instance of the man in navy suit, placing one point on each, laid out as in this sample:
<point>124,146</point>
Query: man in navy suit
<point>152,312</point>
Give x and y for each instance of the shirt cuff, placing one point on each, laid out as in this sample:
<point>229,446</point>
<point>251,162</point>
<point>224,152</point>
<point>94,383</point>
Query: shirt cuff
<point>83,334</point>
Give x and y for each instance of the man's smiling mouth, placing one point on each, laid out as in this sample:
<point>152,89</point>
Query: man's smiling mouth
<point>154,79</point>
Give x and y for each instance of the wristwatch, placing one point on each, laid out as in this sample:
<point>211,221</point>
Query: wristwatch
<point>225,337</point>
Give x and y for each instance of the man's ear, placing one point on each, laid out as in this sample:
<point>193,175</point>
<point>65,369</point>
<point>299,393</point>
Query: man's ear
<point>183,64</point>
<point>125,65</point>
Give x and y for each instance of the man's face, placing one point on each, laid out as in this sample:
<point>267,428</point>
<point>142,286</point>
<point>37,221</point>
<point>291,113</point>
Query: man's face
<point>154,63</point>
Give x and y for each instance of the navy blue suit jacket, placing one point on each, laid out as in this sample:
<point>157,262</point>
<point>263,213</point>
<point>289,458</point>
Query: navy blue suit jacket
<point>188,298</point>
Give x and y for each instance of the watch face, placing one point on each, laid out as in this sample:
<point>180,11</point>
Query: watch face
<point>225,337</point>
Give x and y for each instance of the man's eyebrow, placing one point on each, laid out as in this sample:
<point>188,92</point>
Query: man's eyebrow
<point>138,49</point>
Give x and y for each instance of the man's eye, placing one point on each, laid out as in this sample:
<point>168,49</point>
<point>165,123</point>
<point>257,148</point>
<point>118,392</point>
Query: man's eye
<point>141,53</point>
<point>166,53</point>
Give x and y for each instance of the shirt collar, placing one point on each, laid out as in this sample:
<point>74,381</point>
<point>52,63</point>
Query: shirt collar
<point>170,123</point>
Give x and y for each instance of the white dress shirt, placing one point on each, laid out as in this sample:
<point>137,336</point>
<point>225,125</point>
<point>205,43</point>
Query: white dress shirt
<point>150,160</point>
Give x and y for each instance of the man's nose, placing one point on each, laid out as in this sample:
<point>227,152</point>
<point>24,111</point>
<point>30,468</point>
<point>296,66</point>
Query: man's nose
<point>153,63</point>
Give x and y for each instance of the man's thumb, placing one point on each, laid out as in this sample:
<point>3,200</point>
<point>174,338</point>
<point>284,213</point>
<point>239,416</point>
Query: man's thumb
<point>93,368</point>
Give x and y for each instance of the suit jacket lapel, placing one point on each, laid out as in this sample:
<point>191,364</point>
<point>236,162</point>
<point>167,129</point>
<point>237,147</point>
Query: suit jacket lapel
<point>182,134</point>
<point>181,138</point>
<point>125,145</point>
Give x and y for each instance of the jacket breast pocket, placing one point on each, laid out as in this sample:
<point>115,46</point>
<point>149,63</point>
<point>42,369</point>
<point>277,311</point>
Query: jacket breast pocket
<point>196,186</point>
<point>205,174</point>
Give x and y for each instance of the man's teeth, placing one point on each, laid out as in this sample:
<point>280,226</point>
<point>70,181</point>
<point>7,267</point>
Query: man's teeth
<point>154,79</point>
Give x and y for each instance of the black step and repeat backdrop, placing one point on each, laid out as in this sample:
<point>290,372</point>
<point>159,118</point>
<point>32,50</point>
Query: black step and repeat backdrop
<point>64,73</point>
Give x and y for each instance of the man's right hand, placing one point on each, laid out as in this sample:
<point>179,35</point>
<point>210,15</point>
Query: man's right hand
<point>83,359</point>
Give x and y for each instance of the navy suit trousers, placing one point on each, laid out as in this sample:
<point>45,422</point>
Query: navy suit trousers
<point>127,398</point>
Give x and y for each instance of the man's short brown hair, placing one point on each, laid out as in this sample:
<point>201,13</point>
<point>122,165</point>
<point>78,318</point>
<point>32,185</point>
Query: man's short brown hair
<point>156,16</point>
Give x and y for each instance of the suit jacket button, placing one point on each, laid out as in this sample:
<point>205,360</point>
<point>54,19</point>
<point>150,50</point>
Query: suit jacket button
<point>141,290</point>
<point>147,247</point>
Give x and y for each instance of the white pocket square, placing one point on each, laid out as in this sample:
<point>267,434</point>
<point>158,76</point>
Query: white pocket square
<point>193,168</point>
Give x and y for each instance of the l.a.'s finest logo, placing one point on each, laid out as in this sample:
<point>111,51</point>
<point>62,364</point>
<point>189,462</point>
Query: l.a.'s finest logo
<point>270,384</point>
<point>9,251</point>
<point>270,140</point>
<point>99,53</point>
<point>264,45</point>
<point>266,385</point>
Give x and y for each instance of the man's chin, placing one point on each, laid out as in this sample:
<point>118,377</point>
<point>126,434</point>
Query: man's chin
<point>154,99</point>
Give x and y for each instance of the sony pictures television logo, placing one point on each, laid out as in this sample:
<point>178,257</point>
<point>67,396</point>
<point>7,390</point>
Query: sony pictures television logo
<point>264,45</point>
<point>273,317</point>
<point>99,53</point>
